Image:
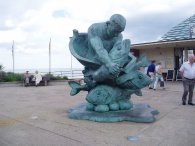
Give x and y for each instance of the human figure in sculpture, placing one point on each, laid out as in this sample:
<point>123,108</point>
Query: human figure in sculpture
<point>103,36</point>
<point>106,43</point>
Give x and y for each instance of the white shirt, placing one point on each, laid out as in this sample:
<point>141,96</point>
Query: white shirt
<point>38,78</point>
<point>188,70</point>
<point>158,68</point>
<point>145,70</point>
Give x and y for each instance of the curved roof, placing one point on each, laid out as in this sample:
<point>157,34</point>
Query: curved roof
<point>184,30</point>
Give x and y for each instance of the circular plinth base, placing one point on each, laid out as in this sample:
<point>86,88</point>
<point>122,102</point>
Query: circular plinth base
<point>141,113</point>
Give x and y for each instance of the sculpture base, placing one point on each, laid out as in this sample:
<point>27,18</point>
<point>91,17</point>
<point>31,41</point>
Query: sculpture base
<point>140,113</point>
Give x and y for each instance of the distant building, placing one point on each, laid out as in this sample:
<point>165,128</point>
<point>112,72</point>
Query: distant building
<point>173,49</point>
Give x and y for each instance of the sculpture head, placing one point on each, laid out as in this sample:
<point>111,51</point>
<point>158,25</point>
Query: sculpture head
<point>116,25</point>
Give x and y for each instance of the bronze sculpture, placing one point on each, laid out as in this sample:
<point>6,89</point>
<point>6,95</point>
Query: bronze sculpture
<point>111,73</point>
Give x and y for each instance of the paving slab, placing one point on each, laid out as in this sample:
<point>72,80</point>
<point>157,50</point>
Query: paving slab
<point>37,116</point>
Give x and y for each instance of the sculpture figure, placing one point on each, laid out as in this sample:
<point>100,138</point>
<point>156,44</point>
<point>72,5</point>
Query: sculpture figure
<point>111,73</point>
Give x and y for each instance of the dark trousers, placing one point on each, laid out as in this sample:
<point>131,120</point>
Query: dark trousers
<point>188,88</point>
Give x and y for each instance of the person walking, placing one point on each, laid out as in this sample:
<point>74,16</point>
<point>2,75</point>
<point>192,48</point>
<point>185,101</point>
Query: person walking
<point>187,71</point>
<point>159,76</point>
<point>151,73</point>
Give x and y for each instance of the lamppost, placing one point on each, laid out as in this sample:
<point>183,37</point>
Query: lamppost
<point>50,56</point>
<point>13,57</point>
<point>71,62</point>
<point>71,65</point>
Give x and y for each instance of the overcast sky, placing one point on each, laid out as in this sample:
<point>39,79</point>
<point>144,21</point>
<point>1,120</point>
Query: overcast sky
<point>31,24</point>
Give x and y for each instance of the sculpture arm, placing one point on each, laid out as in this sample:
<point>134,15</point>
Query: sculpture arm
<point>102,53</point>
<point>103,56</point>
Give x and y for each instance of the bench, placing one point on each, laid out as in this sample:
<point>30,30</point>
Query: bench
<point>44,82</point>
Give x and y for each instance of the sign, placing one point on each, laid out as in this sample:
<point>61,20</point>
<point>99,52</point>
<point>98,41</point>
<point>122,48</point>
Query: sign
<point>170,75</point>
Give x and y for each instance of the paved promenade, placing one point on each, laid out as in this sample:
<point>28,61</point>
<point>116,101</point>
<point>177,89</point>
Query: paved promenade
<point>37,116</point>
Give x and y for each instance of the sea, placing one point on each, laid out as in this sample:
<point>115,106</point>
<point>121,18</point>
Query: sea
<point>69,72</point>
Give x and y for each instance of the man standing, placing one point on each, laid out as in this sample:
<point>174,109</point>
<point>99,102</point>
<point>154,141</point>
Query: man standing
<point>151,73</point>
<point>187,71</point>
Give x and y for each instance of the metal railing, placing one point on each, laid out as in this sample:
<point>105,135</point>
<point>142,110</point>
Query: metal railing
<point>71,74</point>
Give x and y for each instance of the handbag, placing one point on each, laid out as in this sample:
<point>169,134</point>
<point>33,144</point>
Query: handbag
<point>161,83</point>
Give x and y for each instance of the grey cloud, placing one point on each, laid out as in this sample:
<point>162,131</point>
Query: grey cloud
<point>14,10</point>
<point>27,46</point>
<point>149,26</point>
<point>7,46</point>
<point>60,13</point>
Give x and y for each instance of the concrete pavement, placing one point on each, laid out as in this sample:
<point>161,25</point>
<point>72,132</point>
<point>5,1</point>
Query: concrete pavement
<point>37,116</point>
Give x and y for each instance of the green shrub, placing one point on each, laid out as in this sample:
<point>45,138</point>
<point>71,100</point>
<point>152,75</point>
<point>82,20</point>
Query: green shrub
<point>2,76</point>
<point>65,78</point>
<point>10,77</point>
<point>52,77</point>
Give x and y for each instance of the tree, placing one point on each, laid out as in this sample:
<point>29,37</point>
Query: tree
<point>1,67</point>
<point>1,73</point>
